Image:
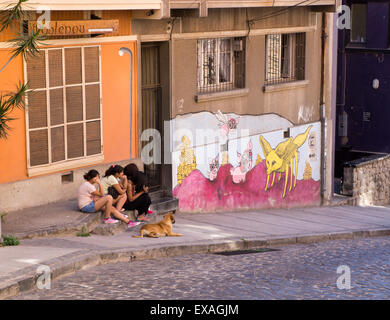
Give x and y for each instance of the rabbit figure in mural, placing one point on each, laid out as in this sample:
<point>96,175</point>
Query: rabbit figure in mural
<point>226,123</point>
<point>244,164</point>
<point>214,167</point>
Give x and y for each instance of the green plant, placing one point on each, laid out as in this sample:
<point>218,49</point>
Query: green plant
<point>26,45</point>
<point>10,241</point>
<point>2,215</point>
<point>83,233</point>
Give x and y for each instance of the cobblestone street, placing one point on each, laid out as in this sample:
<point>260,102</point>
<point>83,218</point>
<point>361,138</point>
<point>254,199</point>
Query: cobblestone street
<point>294,272</point>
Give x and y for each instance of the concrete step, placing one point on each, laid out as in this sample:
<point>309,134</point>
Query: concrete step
<point>165,204</point>
<point>340,200</point>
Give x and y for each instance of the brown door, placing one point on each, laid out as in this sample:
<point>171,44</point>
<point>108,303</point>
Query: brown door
<point>151,103</point>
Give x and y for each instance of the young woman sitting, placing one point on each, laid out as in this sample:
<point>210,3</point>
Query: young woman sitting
<point>111,183</point>
<point>92,200</point>
<point>137,192</point>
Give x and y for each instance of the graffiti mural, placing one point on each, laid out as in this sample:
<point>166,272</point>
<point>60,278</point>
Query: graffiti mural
<point>244,165</point>
<point>281,159</point>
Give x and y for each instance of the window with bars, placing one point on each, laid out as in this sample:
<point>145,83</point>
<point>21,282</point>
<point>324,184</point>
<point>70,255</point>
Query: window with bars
<point>64,105</point>
<point>285,58</point>
<point>221,64</point>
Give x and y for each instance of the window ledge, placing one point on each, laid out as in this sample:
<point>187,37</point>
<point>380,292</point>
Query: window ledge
<point>285,86</point>
<point>64,165</point>
<point>221,95</point>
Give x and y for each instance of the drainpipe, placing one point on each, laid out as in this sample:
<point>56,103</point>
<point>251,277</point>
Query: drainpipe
<point>322,107</point>
<point>121,52</point>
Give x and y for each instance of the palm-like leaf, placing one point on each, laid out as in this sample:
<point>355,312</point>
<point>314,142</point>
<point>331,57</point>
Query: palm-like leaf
<point>9,102</point>
<point>10,14</point>
<point>27,45</point>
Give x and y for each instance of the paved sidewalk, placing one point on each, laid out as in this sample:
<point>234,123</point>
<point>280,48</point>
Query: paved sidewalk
<point>203,232</point>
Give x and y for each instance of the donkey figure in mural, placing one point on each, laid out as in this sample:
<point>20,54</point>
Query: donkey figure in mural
<point>281,159</point>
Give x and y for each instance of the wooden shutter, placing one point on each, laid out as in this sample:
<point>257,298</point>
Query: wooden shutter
<point>73,65</point>
<point>92,101</point>
<point>91,62</point>
<point>36,71</point>
<point>55,68</point>
<point>56,106</point>
<point>75,140</point>
<point>57,144</point>
<point>37,110</point>
<point>38,147</point>
<point>74,104</point>
<point>93,138</point>
<point>72,131</point>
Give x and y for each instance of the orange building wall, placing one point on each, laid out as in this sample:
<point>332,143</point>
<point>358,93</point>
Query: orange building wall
<point>115,75</point>
<point>116,102</point>
<point>13,149</point>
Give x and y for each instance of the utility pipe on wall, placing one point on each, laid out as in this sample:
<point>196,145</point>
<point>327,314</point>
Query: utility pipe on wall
<point>121,52</point>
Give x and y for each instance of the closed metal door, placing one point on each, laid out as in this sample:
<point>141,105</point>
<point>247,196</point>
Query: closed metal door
<point>151,103</point>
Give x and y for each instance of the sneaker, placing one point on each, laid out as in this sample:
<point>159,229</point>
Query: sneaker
<point>143,219</point>
<point>150,211</point>
<point>132,224</point>
<point>110,220</point>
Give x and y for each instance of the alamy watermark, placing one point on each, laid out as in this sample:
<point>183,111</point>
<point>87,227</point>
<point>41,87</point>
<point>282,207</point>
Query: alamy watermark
<point>344,280</point>
<point>44,277</point>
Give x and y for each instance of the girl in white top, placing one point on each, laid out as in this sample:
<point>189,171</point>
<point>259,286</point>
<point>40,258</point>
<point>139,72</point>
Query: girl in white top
<point>112,178</point>
<point>92,200</point>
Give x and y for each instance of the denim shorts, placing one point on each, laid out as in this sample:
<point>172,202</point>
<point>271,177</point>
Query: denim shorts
<point>89,208</point>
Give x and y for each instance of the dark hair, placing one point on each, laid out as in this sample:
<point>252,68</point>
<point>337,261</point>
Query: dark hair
<point>112,170</point>
<point>91,174</point>
<point>130,171</point>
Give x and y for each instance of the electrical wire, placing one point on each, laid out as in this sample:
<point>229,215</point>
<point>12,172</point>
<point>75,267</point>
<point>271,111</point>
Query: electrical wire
<point>277,13</point>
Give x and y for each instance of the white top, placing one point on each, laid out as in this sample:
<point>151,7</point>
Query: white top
<point>85,196</point>
<point>108,182</point>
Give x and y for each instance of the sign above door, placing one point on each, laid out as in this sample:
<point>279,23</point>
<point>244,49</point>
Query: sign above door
<point>75,27</point>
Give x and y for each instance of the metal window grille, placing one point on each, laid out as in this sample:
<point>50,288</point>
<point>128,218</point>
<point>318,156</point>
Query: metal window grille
<point>221,64</point>
<point>285,58</point>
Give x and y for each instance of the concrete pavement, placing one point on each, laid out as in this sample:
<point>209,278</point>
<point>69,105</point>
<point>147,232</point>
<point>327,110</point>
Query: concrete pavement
<point>203,233</point>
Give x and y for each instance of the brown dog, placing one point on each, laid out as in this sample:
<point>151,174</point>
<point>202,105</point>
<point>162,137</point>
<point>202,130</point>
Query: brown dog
<point>160,229</point>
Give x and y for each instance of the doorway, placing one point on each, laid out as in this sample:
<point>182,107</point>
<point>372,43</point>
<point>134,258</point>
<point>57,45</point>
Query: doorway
<point>155,105</point>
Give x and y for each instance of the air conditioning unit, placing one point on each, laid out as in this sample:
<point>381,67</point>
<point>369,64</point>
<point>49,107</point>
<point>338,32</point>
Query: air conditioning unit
<point>238,45</point>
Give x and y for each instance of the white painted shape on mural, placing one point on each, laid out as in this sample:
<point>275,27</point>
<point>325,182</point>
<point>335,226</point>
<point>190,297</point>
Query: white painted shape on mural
<point>208,121</point>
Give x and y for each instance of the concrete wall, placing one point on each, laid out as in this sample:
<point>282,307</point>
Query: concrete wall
<point>49,188</point>
<point>303,102</point>
<point>297,104</point>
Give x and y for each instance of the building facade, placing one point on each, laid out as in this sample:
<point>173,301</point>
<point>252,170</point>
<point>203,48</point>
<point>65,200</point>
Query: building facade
<point>363,94</point>
<point>239,92</point>
<point>245,102</point>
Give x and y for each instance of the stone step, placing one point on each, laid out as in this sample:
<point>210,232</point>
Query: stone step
<point>340,200</point>
<point>165,204</point>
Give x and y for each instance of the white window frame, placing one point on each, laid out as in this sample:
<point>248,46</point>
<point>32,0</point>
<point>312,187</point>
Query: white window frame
<point>201,83</point>
<point>67,163</point>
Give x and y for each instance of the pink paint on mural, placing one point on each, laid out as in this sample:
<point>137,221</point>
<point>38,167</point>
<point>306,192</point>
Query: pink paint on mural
<point>197,193</point>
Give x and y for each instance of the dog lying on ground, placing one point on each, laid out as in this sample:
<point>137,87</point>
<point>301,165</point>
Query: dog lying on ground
<point>160,229</point>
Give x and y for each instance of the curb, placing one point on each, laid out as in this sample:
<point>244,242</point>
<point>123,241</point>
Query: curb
<point>90,222</point>
<point>71,263</point>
